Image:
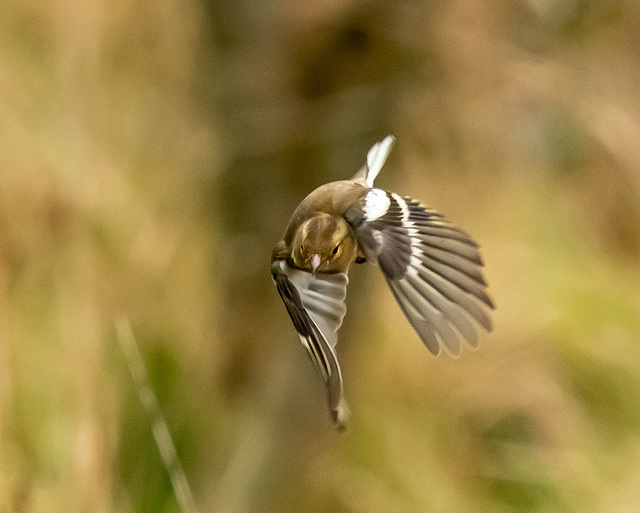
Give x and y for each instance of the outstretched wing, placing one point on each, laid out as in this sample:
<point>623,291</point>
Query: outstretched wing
<point>316,307</point>
<point>433,268</point>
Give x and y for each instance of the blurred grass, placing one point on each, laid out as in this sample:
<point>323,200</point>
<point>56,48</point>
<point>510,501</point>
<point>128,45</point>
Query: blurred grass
<point>150,156</point>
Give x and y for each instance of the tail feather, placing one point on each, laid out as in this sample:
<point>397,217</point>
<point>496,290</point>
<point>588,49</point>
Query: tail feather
<point>376,157</point>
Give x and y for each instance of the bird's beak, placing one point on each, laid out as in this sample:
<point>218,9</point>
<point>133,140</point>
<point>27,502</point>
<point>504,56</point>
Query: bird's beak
<point>315,263</point>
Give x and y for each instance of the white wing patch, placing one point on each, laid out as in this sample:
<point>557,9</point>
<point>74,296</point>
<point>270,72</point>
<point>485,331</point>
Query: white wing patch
<point>405,209</point>
<point>376,204</point>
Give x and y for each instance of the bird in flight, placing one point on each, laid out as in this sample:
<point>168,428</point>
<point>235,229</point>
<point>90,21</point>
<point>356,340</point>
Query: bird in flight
<point>433,268</point>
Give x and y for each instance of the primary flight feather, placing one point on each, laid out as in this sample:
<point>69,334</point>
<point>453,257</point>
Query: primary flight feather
<point>433,268</point>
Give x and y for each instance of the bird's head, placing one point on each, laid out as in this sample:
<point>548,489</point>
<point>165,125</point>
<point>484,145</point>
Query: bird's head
<point>324,243</point>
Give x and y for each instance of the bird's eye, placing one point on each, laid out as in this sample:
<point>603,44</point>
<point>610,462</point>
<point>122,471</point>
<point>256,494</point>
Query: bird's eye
<point>335,250</point>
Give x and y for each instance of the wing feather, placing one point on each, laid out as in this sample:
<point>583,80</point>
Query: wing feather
<point>440,323</point>
<point>316,307</point>
<point>453,274</point>
<point>433,268</point>
<point>422,326</point>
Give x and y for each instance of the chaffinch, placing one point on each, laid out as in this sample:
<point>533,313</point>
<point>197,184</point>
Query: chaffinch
<point>433,268</point>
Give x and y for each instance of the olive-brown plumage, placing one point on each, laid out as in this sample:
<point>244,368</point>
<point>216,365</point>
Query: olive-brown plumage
<point>433,269</point>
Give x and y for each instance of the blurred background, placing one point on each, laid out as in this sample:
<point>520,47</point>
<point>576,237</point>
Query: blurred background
<point>151,153</point>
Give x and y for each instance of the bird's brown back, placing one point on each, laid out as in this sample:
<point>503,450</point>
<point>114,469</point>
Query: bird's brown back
<point>333,198</point>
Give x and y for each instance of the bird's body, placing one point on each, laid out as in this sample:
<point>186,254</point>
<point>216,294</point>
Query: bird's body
<point>323,212</point>
<point>432,268</point>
